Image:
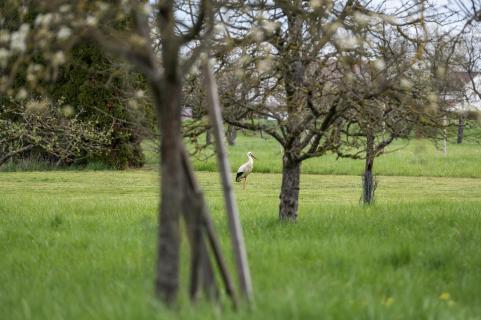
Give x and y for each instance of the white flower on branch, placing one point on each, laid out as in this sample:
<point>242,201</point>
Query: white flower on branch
<point>390,19</point>
<point>21,94</point>
<point>219,28</point>
<point>264,65</point>
<point>43,19</point>
<point>315,4</point>
<point>379,64</point>
<point>68,111</point>
<point>405,84</point>
<point>58,58</point>
<point>65,8</point>
<point>257,34</point>
<point>64,33</point>
<point>269,26</point>
<point>347,42</point>
<point>18,41</point>
<point>361,18</point>
<point>91,21</point>
<point>4,55</point>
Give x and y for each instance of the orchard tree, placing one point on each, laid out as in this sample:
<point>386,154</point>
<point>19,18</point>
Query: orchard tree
<point>292,61</point>
<point>164,64</point>
<point>411,106</point>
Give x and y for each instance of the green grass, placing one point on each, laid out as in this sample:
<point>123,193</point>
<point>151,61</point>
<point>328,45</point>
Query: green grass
<point>81,245</point>
<point>415,158</point>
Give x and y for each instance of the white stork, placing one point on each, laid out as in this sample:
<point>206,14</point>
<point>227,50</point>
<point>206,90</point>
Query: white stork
<point>245,169</point>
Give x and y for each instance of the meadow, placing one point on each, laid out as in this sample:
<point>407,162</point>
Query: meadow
<point>81,244</point>
<point>402,158</point>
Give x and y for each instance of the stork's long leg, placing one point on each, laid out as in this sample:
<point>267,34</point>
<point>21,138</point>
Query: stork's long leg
<point>245,180</point>
<point>244,184</point>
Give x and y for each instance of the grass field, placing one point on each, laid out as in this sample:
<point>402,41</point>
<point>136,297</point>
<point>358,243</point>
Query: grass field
<point>411,158</point>
<point>81,245</point>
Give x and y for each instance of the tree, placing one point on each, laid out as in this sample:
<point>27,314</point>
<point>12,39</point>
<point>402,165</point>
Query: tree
<point>164,67</point>
<point>291,60</point>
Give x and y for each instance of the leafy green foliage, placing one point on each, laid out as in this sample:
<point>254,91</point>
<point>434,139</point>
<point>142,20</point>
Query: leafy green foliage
<point>106,90</point>
<point>41,57</point>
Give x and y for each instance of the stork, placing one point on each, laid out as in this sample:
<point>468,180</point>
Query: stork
<point>245,169</point>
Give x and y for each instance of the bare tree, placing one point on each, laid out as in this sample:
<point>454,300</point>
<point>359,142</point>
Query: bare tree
<point>164,63</point>
<point>294,59</point>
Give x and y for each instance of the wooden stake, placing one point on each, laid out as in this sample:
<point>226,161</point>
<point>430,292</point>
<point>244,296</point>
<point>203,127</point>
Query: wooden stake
<point>209,229</point>
<point>236,234</point>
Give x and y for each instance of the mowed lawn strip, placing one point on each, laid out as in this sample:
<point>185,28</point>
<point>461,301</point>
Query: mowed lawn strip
<point>81,245</point>
<point>411,158</point>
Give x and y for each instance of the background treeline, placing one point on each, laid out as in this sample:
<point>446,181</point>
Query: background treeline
<point>94,97</point>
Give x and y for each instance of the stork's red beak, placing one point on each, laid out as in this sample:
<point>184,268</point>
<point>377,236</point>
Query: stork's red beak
<point>253,156</point>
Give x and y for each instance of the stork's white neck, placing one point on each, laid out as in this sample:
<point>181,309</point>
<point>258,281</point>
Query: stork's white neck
<point>251,160</point>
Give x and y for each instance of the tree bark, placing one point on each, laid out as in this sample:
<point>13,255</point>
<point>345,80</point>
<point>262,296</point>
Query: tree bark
<point>461,128</point>
<point>208,136</point>
<point>289,197</point>
<point>167,101</point>
<point>231,135</point>
<point>201,272</point>
<point>368,185</point>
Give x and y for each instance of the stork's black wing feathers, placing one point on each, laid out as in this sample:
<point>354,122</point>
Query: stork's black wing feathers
<point>239,174</point>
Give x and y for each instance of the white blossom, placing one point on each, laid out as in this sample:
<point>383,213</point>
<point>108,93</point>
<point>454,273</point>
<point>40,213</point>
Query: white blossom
<point>4,55</point>
<point>91,21</point>
<point>21,94</point>
<point>361,18</point>
<point>269,26</point>
<point>18,41</point>
<point>406,84</point>
<point>379,64</point>
<point>68,111</point>
<point>43,19</point>
<point>58,58</point>
<point>347,42</point>
<point>257,34</point>
<point>390,19</point>
<point>315,4</point>
<point>65,8</point>
<point>64,33</point>
<point>219,28</point>
<point>264,65</point>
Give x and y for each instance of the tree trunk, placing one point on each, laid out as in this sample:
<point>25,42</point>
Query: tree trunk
<point>461,129</point>
<point>368,184</point>
<point>167,100</point>
<point>289,197</point>
<point>208,136</point>
<point>231,135</point>
<point>445,136</point>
